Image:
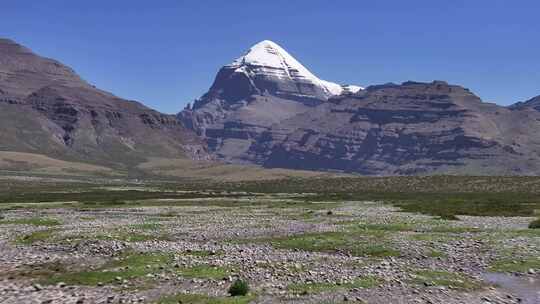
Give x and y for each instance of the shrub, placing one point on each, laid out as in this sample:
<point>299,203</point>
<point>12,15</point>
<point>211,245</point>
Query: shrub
<point>535,224</point>
<point>448,216</point>
<point>239,288</point>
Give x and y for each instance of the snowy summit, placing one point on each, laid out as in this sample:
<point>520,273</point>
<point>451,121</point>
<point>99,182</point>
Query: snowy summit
<point>267,57</point>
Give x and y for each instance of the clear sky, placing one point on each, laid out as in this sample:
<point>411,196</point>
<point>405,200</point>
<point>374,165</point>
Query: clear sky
<point>166,53</point>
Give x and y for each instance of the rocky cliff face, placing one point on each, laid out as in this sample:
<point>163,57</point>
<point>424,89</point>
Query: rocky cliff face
<point>47,108</point>
<point>261,88</point>
<point>23,72</point>
<point>411,128</point>
<point>267,69</point>
<point>266,108</point>
<point>533,103</point>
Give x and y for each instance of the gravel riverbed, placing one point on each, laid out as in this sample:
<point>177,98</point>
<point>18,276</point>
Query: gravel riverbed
<point>365,252</point>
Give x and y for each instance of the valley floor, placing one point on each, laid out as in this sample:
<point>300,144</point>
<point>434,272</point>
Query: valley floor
<point>138,245</point>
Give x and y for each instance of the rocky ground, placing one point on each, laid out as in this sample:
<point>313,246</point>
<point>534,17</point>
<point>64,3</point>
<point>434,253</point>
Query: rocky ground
<point>288,249</point>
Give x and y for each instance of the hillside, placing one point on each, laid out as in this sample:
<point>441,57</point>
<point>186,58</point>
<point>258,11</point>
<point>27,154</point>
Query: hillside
<point>266,108</point>
<point>46,108</point>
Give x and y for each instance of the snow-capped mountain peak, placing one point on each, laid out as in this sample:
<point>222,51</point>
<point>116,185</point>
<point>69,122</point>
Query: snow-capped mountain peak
<point>268,58</point>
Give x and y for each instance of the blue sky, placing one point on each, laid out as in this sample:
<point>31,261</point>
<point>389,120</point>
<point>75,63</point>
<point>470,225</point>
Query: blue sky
<point>166,53</point>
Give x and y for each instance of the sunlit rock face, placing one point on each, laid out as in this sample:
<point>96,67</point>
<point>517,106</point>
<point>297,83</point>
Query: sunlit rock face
<point>267,108</point>
<point>46,108</point>
<point>261,88</point>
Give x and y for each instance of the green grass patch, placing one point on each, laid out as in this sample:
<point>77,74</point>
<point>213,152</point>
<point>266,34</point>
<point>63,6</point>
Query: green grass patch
<point>436,253</point>
<point>117,235</point>
<point>168,214</point>
<point>519,189</point>
<point>127,236</point>
<point>36,236</point>
<point>309,206</point>
<point>387,227</point>
<point>147,226</point>
<point>34,221</point>
<point>427,226</point>
<point>99,198</point>
<point>351,243</point>
<point>205,272</point>
<point>513,233</point>
<point>448,217</point>
<point>203,253</point>
<point>129,266</point>
<point>476,204</point>
<point>433,237</point>
<point>308,215</point>
<point>453,229</point>
<point>40,270</point>
<point>515,264</point>
<point>239,288</point>
<point>309,288</point>
<point>87,218</point>
<point>186,298</point>
<point>535,224</point>
<point>394,227</point>
<point>444,278</point>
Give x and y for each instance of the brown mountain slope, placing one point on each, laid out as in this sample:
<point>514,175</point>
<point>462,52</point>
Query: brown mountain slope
<point>46,108</point>
<point>261,88</point>
<point>531,103</point>
<point>411,128</point>
<point>266,108</point>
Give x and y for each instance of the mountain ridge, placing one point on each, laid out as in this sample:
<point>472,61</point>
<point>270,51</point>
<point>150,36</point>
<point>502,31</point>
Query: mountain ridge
<point>408,128</point>
<point>533,103</point>
<point>260,88</point>
<point>47,108</point>
<point>266,108</point>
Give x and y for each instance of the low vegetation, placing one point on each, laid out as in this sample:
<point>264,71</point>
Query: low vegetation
<point>203,253</point>
<point>128,266</point>
<point>397,187</point>
<point>535,224</point>
<point>188,298</point>
<point>153,226</point>
<point>349,242</point>
<point>36,236</point>
<point>208,236</point>
<point>99,197</point>
<point>205,271</point>
<point>134,233</point>
<point>444,196</point>
<point>309,288</point>
<point>34,221</point>
<point>515,264</point>
<point>239,288</point>
<point>444,278</point>
<point>482,204</point>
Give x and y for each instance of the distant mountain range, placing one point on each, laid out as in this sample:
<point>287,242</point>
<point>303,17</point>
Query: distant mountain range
<point>266,108</point>
<point>46,108</point>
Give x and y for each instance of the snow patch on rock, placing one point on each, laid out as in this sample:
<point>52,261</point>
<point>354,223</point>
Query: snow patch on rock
<point>267,57</point>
